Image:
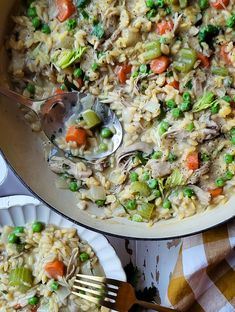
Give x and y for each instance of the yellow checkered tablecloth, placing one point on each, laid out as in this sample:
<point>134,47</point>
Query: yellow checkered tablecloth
<point>204,275</point>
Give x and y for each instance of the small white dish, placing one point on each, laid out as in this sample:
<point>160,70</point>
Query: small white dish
<point>19,210</point>
<point>3,170</point>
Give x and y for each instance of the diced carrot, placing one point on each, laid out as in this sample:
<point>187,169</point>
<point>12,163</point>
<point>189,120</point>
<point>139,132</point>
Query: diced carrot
<point>192,161</point>
<point>216,192</point>
<point>58,91</point>
<point>17,306</point>
<point>55,269</point>
<point>164,27</point>
<point>205,61</point>
<point>175,84</point>
<point>122,72</point>
<point>77,135</point>
<point>219,4</point>
<point>65,9</point>
<point>34,309</point>
<point>225,55</point>
<point>160,64</point>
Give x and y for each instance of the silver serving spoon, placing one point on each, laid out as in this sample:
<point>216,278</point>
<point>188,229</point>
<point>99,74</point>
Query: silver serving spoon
<point>54,111</point>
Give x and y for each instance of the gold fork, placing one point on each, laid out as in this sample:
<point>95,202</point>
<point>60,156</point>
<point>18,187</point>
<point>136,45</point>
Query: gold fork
<point>110,293</point>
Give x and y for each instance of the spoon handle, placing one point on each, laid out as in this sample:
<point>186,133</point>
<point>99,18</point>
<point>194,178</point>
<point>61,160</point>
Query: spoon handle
<point>16,97</point>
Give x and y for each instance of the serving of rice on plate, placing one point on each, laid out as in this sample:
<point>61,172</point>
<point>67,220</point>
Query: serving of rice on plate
<point>38,265</point>
<point>167,70</point>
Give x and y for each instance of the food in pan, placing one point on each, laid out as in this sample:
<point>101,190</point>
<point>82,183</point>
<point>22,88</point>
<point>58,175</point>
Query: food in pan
<point>166,67</point>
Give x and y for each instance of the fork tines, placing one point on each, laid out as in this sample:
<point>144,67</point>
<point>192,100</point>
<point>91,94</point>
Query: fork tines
<point>99,290</point>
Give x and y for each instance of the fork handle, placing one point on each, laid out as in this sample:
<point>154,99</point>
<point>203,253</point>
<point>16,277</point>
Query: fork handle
<point>153,306</point>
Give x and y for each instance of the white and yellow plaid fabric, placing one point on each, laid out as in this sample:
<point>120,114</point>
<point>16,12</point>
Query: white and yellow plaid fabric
<point>204,276</point>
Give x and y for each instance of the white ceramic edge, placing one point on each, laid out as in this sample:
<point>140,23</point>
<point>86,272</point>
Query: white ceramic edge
<point>3,170</point>
<point>21,209</point>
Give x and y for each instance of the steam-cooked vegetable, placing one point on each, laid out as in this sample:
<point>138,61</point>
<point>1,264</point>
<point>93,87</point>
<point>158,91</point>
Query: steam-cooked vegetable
<point>206,101</point>
<point>146,210</point>
<point>68,57</point>
<point>91,118</point>
<point>186,59</point>
<point>141,188</point>
<point>21,278</point>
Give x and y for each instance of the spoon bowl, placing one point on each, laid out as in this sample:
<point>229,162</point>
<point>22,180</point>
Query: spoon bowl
<point>56,110</point>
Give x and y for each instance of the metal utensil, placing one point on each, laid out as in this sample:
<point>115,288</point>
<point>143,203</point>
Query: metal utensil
<point>110,293</point>
<point>54,111</point>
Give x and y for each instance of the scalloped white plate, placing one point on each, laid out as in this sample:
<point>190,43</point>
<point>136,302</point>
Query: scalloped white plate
<point>19,210</point>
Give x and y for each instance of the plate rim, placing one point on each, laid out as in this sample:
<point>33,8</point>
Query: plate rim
<point>7,202</point>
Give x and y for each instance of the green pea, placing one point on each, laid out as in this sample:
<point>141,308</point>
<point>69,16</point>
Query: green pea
<point>136,218</point>
<point>33,300</point>
<point>172,157</point>
<point>190,127</point>
<point>103,147</point>
<point>228,158</point>
<point>134,176</point>
<point>143,69</point>
<point>233,139</point>
<point>160,3</point>
<point>185,106</point>
<point>156,193</point>
<point>84,256</point>
<point>95,67</point>
<point>205,157</point>
<point>228,175</point>
<point>203,4</point>
<point>150,3</point>
<point>13,238</point>
<point>32,12</point>
<point>36,22</point>
<point>46,29</point>
<point>131,204</point>
<point>153,183</point>
<point>63,87</point>
<point>219,182</point>
<point>231,21</point>
<point>156,155</point>
<point>71,24</point>
<point>232,131</point>
<point>73,186</point>
<point>166,204</point>
<point>215,108</point>
<point>18,230</point>
<point>37,227</point>
<point>227,98</point>
<point>145,176</point>
<point>106,133</point>
<point>176,113</point>
<point>78,72</point>
<point>55,286</point>
<point>188,192</point>
<point>31,88</point>
<point>186,97</point>
<point>163,127</point>
<point>171,104</point>
<point>100,202</point>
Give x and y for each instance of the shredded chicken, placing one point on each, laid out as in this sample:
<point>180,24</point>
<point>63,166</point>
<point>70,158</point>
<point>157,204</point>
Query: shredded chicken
<point>203,196</point>
<point>159,169</point>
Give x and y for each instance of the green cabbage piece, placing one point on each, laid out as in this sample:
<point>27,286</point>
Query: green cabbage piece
<point>175,179</point>
<point>206,101</point>
<point>146,210</point>
<point>68,57</point>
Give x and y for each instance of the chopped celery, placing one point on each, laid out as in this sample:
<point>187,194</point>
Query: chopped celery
<point>152,51</point>
<point>186,60</point>
<point>219,71</point>
<point>141,188</point>
<point>175,179</point>
<point>68,57</point>
<point>22,278</point>
<point>152,45</point>
<point>150,55</point>
<point>206,101</point>
<point>91,118</point>
<point>146,210</point>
